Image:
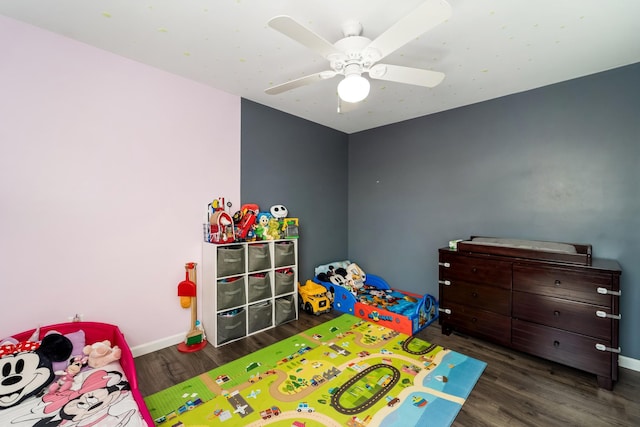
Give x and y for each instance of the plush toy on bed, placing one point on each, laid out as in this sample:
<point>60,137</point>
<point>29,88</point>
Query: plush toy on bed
<point>26,367</point>
<point>351,277</point>
<point>65,378</point>
<point>101,353</point>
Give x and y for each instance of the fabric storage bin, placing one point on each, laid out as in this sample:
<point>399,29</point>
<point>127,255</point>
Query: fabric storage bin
<point>284,254</point>
<point>230,260</point>
<point>230,292</point>
<point>259,316</point>
<point>259,287</point>
<point>231,325</point>
<point>285,309</point>
<point>284,281</point>
<point>259,257</point>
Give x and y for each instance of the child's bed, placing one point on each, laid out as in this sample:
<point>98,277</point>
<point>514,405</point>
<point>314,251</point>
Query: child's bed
<point>106,395</point>
<point>370,297</point>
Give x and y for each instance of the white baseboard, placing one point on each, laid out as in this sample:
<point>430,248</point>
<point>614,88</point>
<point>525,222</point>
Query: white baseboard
<point>150,347</point>
<point>629,363</point>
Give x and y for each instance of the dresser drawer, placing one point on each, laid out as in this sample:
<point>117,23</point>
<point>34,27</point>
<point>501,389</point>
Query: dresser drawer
<point>555,282</point>
<point>475,270</point>
<point>569,348</point>
<point>477,322</point>
<point>562,314</point>
<point>488,298</point>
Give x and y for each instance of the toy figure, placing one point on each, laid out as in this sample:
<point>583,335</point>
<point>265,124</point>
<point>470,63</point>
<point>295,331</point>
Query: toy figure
<point>262,225</point>
<point>273,229</point>
<point>279,211</point>
<point>101,353</point>
<point>76,363</point>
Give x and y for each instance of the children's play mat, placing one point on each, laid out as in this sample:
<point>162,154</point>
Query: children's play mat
<point>345,372</point>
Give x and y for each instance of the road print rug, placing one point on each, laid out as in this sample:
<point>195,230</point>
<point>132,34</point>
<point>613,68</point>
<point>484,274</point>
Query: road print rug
<point>345,372</point>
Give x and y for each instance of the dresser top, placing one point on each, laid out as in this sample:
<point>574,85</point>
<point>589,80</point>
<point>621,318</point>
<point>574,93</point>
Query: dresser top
<point>603,264</point>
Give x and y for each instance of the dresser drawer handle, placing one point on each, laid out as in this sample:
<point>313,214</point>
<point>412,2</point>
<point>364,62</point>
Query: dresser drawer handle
<point>556,344</point>
<point>605,291</point>
<point>603,347</point>
<point>445,282</point>
<point>604,314</point>
<point>444,264</point>
<point>556,313</point>
<point>474,294</point>
<point>474,269</point>
<point>557,282</point>
<point>474,320</point>
<point>445,310</point>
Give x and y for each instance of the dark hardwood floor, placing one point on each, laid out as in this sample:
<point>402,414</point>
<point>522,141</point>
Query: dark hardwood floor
<point>515,389</point>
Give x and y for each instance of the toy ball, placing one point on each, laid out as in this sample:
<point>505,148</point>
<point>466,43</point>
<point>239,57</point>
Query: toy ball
<point>279,211</point>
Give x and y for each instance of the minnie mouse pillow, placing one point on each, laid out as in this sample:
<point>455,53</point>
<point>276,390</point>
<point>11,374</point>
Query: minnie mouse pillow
<point>26,367</point>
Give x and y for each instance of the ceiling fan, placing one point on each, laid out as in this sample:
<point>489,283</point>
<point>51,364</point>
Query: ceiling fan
<point>355,55</point>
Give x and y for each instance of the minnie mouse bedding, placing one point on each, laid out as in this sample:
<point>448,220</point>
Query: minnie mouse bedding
<point>44,379</point>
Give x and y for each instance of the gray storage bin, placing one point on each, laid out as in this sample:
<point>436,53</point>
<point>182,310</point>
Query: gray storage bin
<point>259,316</point>
<point>231,325</point>
<point>230,260</point>
<point>259,287</point>
<point>284,281</point>
<point>284,254</point>
<point>285,310</point>
<point>259,257</point>
<point>230,293</point>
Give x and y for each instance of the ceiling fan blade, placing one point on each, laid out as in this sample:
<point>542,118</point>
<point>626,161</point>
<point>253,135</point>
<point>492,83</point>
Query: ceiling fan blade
<point>296,31</point>
<point>425,17</point>
<point>412,76</point>
<point>302,81</point>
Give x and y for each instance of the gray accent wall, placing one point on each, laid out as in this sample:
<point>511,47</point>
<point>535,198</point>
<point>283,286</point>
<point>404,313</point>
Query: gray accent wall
<point>557,163</point>
<point>302,165</point>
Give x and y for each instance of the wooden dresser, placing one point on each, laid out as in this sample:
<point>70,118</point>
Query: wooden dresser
<point>564,310</point>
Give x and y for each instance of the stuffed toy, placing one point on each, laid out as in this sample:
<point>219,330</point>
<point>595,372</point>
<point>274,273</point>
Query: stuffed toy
<point>101,353</point>
<point>26,367</point>
<point>65,379</point>
<point>273,229</point>
<point>352,277</point>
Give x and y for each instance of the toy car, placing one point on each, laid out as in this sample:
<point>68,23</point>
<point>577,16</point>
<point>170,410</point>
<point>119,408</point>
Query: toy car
<point>391,401</point>
<point>313,298</point>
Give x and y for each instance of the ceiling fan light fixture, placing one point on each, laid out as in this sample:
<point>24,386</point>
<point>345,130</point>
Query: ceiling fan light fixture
<point>353,88</point>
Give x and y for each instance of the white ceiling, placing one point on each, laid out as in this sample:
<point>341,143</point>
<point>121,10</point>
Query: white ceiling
<point>487,49</point>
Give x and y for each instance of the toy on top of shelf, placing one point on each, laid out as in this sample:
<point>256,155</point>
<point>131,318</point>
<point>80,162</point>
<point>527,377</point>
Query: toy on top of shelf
<point>221,228</point>
<point>290,228</point>
<point>245,220</point>
<point>262,225</point>
<point>273,229</point>
<point>279,211</point>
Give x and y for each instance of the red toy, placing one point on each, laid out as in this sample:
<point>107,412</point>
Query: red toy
<point>246,219</point>
<point>187,291</point>
<point>221,229</point>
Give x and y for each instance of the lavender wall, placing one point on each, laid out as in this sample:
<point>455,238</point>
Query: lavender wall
<point>106,168</point>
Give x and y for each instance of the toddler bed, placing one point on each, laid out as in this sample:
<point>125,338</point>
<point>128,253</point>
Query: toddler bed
<point>370,297</point>
<point>46,379</point>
